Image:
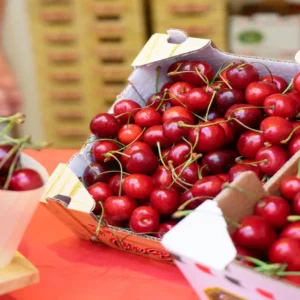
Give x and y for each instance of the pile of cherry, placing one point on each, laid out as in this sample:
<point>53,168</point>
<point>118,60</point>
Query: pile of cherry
<point>13,176</point>
<point>272,234</point>
<point>198,132</point>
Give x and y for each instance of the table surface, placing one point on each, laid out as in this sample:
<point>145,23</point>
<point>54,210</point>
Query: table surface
<point>74,269</point>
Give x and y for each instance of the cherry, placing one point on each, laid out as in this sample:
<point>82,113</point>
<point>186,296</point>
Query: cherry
<point>249,143</point>
<point>188,195</point>
<point>275,129</point>
<point>296,82</point>
<point>178,92</point>
<point>114,183</point>
<point>162,177</point>
<point>212,115</point>
<point>176,67</point>
<point>290,187</point>
<point>295,125</point>
<point>158,102</point>
<point>125,110</point>
<point>165,155</point>
<point>165,201</point>
<point>93,173</point>
<point>286,251</point>
<point>296,203</point>
<point>179,153</point>
<point>177,112</point>
<point>209,186</point>
<point>224,177</point>
<point>100,191</point>
<point>240,76</point>
<point>25,180</point>
<point>272,159</point>
<point>165,227</point>
<point>292,279</point>
<point>129,133</point>
<point>241,253</point>
<point>281,105</point>
<point>138,186</point>
<point>105,125</point>
<point>166,87</point>
<point>136,146</point>
<point>294,145</point>
<point>274,210</point>
<point>229,130</point>
<point>188,173</point>
<point>255,233</point>
<point>144,219</point>
<point>238,169</point>
<point>215,86</point>
<point>209,138</point>
<point>197,100</point>
<point>154,135</point>
<point>4,150</point>
<point>228,97</point>
<point>295,95</point>
<point>100,148</point>
<point>119,208</point>
<point>172,132</point>
<point>219,161</point>
<point>258,91</point>
<point>147,117</point>
<point>291,231</point>
<point>280,83</point>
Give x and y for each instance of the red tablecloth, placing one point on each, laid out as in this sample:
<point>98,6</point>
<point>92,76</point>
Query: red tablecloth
<point>74,269</point>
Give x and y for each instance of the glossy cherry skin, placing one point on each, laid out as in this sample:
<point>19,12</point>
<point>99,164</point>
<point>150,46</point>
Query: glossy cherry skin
<point>154,135</point>
<point>256,92</point>
<point>179,153</point>
<point>138,186</point>
<point>165,201</point>
<point>210,138</point>
<point>129,133</point>
<point>212,115</point>
<point>136,146</point>
<point>159,102</point>
<point>114,183</point>
<point>162,177</point>
<point>100,191</point>
<point>249,143</point>
<point>294,145</point>
<point>296,204</point>
<point>100,148</point>
<point>219,161</point>
<point>165,227</point>
<point>296,82</point>
<point>4,150</point>
<point>255,233</point>
<point>93,174</point>
<point>176,67</point>
<point>177,112</point>
<point>178,92</point>
<point>296,125</point>
<point>240,76</point>
<point>197,100</point>
<point>295,95</point>
<point>186,196</point>
<point>119,208</point>
<point>142,162</point>
<point>275,129</point>
<point>275,158</point>
<point>290,187</point>
<point>105,125</point>
<point>228,97</point>
<point>229,130</point>
<point>147,117</point>
<point>189,174</point>
<point>280,83</point>
<point>166,87</point>
<point>291,231</point>
<point>245,114</point>
<point>25,180</point>
<point>144,219</point>
<point>207,186</point>
<point>239,169</point>
<point>286,251</point>
<point>274,210</point>
<point>281,105</point>
<point>172,132</point>
<point>125,110</point>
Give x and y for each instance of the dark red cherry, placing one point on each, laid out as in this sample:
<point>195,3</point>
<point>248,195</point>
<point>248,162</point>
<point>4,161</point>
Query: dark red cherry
<point>166,87</point>
<point>159,102</point>
<point>125,110</point>
<point>93,174</point>
<point>176,67</point>
<point>178,92</point>
<point>105,125</point>
<point>25,180</point>
<point>172,132</point>
<point>280,83</point>
<point>100,150</point>
<point>130,149</point>
<point>114,183</point>
<point>154,135</point>
<point>165,227</point>
<point>249,143</point>
<point>228,97</point>
<point>239,169</point>
<point>188,174</point>
<point>179,153</point>
<point>4,150</point>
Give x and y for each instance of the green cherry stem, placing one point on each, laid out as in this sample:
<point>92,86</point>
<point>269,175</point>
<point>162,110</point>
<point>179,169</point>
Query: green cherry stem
<point>269,268</point>
<point>210,104</point>
<point>288,274</point>
<point>252,163</point>
<point>184,205</point>
<point>160,156</point>
<point>200,170</point>
<point>255,261</point>
<point>289,86</point>
<point>293,218</point>
<point>285,141</point>
<point>121,172</point>
<point>180,214</point>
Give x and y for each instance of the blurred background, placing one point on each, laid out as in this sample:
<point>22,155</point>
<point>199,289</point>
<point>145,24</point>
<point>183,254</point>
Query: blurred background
<point>72,57</point>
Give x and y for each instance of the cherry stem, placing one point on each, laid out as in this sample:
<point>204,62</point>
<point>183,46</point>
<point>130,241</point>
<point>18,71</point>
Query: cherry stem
<point>269,268</point>
<point>285,141</point>
<point>269,71</point>
<point>200,176</point>
<point>181,124</point>
<point>252,163</point>
<point>234,223</point>
<point>202,76</point>
<point>255,261</point>
<point>172,96</point>
<point>174,176</point>
<point>160,156</point>
<point>117,152</point>
<point>247,127</point>
<point>100,219</point>
<point>222,68</point>
<point>288,274</point>
<point>162,101</point>
<point>293,218</point>
<point>184,205</point>
<point>289,86</point>
<point>210,104</point>
<point>180,214</point>
<point>196,140</point>
<point>191,146</point>
<point>121,172</point>
<point>238,189</point>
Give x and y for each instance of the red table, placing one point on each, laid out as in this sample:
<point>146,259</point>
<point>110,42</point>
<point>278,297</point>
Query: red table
<point>74,269</point>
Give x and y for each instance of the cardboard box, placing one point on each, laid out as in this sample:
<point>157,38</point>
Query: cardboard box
<point>209,263</point>
<point>65,195</point>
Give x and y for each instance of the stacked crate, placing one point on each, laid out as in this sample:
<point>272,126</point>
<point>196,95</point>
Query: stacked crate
<point>83,51</point>
<point>199,18</point>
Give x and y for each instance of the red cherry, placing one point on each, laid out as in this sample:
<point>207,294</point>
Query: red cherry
<point>296,82</point>
<point>215,86</point>
<point>25,180</point>
<point>162,177</point>
<point>125,110</point>
<point>275,158</point>
<point>290,187</point>
<point>255,233</point>
<point>100,148</point>
<point>165,201</point>
<point>176,67</point>
<point>238,169</point>
<point>258,91</point>
<point>224,177</point>
<point>228,97</point>
<point>295,95</point>
<point>286,251</point>
<point>210,138</point>
<point>296,125</point>
<point>93,174</point>
<point>114,183</point>
<point>99,191</point>
<point>119,208</point>
<point>296,203</point>
<point>275,129</point>
<point>241,253</point>
<point>177,112</point>
<point>4,150</point>
<point>179,153</point>
<point>144,219</point>
<point>166,87</point>
<point>154,135</point>
<point>105,125</point>
<point>172,132</point>
<point>249,143</point>
<point>138,186</point>
<point>207,186</point>
<point>274,210</point>
<point>186,196</point>
<point>129,133</point>
<point>212,115</point>
<point>280,83</point>
<point>165,227</point>
<point>240,76</point>
<point>229,130</point>
<point>197,100</point>
<point>136,146</point>
<point>165,155</point>
<point>294,145</point>
<point>178,92</point>
<point>189,173</point>
<point>158,100</point>
<point>292,279</point>
<point>291,231</point>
